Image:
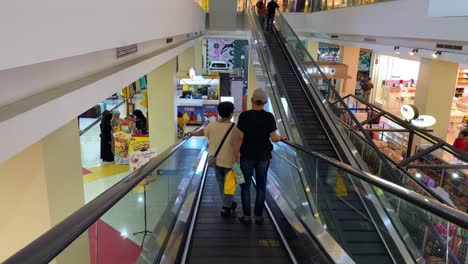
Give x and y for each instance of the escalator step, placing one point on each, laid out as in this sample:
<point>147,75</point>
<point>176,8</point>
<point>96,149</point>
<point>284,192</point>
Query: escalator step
<point>381,259</point>
<point>224,260</point>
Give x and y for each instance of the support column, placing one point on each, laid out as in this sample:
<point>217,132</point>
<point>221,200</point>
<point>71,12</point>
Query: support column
<point>351,59</point>
<point>251,82</point>
<point>40,187</point>
<point>186,60</point>
<point>312,47</point>
<point>162,106</point>
<point>198,49</point>
<point>434,92</point>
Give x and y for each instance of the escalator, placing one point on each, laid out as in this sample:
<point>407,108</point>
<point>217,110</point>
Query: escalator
<point>347,218</point>
<point>184,226</point>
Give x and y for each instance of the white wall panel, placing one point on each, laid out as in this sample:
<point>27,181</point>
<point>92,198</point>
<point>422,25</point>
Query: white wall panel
<point>397,19</point>
<point>38,31</point>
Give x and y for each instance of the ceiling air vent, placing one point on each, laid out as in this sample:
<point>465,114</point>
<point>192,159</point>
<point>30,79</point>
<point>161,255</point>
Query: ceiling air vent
<point>126,50</point>
<point>334,36</point>
<point>169,40</point>
<point>370,39</point>
<point>450,47</point>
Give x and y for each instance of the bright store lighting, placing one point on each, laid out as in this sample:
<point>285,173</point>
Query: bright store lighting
<point>414,51</point>
<point>436,54</point>
<point>418,175</point>
<point>455,175</point>
<point>124,234</point>
<point>140,199</point>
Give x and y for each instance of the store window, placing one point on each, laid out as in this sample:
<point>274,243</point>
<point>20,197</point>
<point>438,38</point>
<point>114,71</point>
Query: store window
<point>329,52</point>
<point>395,80</point>
<point>322,5</point>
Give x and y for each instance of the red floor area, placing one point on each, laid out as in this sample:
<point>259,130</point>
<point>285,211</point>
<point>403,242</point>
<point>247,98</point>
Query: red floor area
<point>107,246</point>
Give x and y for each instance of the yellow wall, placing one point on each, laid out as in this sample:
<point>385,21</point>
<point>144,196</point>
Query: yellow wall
<point>40,187</point>
<point>162,106</point>
<point>186,61</point>
<point>198,50</point>
<point>312,48</point>
<point>350,58</point>
<point>434,92</point>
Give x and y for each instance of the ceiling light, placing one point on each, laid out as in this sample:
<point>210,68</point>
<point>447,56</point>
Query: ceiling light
<point>414,51</point>
<point>418,175</point>
<point>455,175</point>
<point>436,54</point>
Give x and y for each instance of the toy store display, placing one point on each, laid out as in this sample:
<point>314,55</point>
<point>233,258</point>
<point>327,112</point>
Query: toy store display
<point>127,141</point>
<point>393,154</point>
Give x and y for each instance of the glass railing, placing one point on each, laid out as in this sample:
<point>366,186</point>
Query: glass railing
<point>332,190</point>
<point>267,77</point>
<point>431,161</point>
<point>323,5</point>
<point>365,148</point>
<point>136,227</point>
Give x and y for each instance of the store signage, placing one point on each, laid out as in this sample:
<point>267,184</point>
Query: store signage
<point>424,121</point>
<point>409,112</point>
<point>325,70</point>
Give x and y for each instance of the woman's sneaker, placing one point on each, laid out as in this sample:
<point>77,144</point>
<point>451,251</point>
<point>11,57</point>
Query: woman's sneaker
<point>245,220</point>
<point>259,220</point>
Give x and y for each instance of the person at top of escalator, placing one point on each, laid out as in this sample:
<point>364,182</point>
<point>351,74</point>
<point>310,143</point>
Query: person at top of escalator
<point>461,142</point>
<point>256,129</point>
<point>271,6</point>
<point>215,132</point>
<point>262,13</point>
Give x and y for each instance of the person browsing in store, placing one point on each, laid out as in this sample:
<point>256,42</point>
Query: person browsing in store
<point>140,121</point>
<point>461,142</point>
<point>255,130</point>
<point>367,87</point>
<point>215,132</point>
<point>271,6</point>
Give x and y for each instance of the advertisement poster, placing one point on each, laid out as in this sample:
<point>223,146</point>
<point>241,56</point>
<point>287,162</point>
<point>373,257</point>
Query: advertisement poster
<point>220,50</point>
<point>210,112</point>
<point>193,114</point>
<point>364,61</point>
<point>140,158</point>
<point>139,143</point>
<point>121,144</point>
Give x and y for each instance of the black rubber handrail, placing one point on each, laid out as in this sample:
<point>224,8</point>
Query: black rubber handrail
<point>430,205</point>
<point>46,247</point>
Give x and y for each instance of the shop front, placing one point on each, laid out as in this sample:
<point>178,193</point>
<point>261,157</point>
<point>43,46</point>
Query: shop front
<point>395,81</point>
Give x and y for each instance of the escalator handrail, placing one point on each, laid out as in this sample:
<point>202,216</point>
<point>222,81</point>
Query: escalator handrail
<point>407,174</point>
<point>446,212</point>
<point>421,132</point>
<point>50,244</point>
<point>340,99</point>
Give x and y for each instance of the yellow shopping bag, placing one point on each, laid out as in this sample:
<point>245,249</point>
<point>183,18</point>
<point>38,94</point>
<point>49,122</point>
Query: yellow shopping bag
<point>230,183</point>
<point>340,187</point>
